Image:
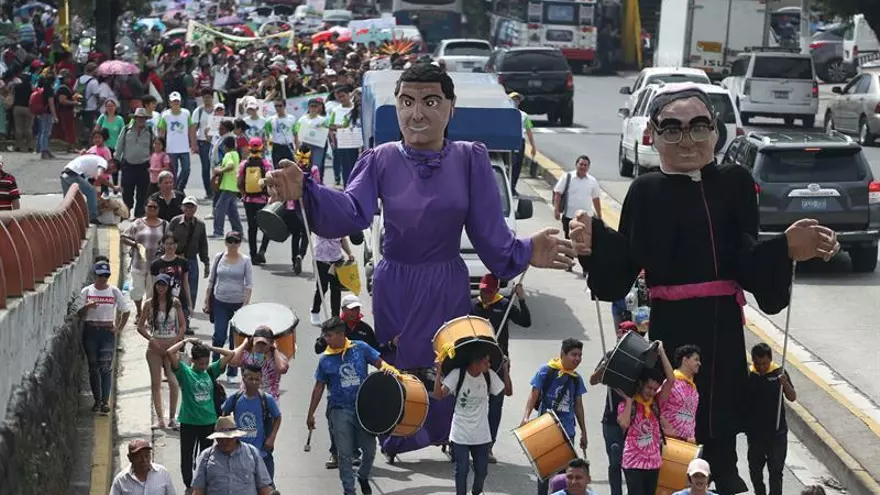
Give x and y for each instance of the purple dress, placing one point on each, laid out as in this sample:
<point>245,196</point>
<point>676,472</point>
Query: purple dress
<point>421,281</point>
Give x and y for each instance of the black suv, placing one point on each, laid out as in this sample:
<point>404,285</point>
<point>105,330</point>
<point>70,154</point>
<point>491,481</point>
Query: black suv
<point>814,175</point>
<point>541,75</point>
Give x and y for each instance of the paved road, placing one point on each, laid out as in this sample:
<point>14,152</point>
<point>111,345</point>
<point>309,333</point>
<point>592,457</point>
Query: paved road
<point>834,310</point>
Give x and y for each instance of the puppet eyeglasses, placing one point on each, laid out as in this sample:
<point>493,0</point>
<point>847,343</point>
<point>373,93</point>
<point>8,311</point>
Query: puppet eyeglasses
<point>698,132</point>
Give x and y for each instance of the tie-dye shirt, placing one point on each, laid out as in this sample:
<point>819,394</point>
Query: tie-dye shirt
<point>641,448</point>
<point>680,410</point>
<point>271,377</point>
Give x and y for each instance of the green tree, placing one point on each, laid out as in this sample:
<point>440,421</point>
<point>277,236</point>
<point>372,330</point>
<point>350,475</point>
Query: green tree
<point>869,8</point>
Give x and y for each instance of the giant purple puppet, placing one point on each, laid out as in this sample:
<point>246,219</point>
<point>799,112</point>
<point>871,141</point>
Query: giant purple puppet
<point>430,189</point>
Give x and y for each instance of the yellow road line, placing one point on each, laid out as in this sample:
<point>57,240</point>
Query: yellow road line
<point>102,447</point>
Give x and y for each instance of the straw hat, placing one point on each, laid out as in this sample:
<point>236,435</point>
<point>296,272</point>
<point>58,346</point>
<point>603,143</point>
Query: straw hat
<point>226,428</point>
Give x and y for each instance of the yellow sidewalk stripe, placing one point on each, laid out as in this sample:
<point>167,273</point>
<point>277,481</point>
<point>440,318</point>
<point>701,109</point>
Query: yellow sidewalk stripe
<point>102,447</point>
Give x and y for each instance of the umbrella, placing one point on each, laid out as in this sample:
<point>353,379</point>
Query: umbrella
<point>117,68</point>
<point>229,20</point>
<point>27,8</point>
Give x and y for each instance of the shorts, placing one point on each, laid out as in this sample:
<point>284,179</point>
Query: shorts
<point>141,284</point>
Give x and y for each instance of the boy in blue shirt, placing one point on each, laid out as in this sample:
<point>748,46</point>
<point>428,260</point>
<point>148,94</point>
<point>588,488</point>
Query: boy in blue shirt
<point>342,368</point>
<point>559,388</point>
<point>577,479</point>
<point>256,413</point>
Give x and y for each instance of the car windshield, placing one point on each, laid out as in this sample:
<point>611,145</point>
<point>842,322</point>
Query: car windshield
<point>524,61</point>
<point>467,49</point>
<point>834,165</point>
<point>723,107</point>
<point>783,68</point>
<point>678,78</point>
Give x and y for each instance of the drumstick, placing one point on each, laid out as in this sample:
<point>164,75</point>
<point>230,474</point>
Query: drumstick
<point>302,205</point>
<point>507,311</point>
<point>308,446</point>
<point>785,343</point>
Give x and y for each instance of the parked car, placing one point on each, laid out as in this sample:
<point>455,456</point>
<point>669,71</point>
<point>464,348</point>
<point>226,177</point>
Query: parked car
<point>654,75</point>
<point>541,75</point>
<point>824,176</point>
<point>464,55</point>
<point>636,153</point>
<point>826,48</point>
<point>855,108</point>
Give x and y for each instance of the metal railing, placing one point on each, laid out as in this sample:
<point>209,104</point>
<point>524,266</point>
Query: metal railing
<point>34,244</point>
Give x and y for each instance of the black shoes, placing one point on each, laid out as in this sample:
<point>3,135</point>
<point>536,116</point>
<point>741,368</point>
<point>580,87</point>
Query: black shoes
<point>366,489</point>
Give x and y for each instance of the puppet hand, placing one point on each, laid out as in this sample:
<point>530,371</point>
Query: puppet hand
<point>549,251</point>
<point>285,184</point>
<point>807,240</point>
<point>581,233</point>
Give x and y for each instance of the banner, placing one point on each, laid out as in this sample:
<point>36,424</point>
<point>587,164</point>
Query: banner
<point>296,107</point>
<point>315,136</point>
<point>240,40</point>
<point>349,138</point>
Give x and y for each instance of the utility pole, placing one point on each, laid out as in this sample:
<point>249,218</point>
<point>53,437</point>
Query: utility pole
<point>805,26</point>
<point>765,39</point>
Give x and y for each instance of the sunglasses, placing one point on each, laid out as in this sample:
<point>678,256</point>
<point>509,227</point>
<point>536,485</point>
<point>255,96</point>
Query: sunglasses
<point>233,241</point>
<point>152,207</point>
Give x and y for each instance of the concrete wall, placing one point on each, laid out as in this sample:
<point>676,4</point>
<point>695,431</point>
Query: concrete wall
<point>30,323</point>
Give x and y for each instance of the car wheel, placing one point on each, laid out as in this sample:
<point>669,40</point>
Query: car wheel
<point>809,121</point>
<point>789,121</point>
<point>744,117</point>
<point>829,122</point>
<point>864,259</point>
<point>834,71</point>
<point>865,136</point>
<point>566,117</point>
<point>624,166</point>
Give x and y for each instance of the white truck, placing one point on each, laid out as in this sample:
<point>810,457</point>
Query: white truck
<point>707,34</point>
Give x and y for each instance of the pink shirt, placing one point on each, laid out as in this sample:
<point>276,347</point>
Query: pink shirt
<point>680,410</point>
<point>641,448</point>
<point>102,151</point>
<point>260,198</point>
<point>271,377</point>
<point>158,163</point>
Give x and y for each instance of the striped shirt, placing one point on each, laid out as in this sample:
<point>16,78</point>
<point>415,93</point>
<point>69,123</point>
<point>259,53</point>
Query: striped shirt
<point>158,483</point>
<point>8,191</point>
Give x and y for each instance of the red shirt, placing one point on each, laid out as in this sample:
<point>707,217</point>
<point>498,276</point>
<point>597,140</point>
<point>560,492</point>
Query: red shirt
<point>8,191</point>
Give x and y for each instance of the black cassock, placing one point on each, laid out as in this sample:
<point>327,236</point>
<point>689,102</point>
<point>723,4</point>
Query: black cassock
<point>686,231</point>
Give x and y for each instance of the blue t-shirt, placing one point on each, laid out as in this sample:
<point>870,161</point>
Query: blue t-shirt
<point>248,413</point>
<point>566,408</point>
<point>344,377</point>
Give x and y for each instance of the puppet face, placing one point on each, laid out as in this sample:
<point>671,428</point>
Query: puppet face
<point>686,118</point>
<point>423,113</point>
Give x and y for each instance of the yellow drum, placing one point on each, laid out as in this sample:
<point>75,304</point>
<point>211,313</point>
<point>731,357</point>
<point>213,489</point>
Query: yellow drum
<point>281,319</point>
<point>467,335</point>
<point>677,454</point>
<point>394,405</point>
<point>546,445</point>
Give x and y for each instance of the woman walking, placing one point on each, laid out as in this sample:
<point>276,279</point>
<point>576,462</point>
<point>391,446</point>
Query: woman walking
<point>254,194</point>
<point>65,105</point>
<point>113,123</point>
<point>328,252</point>
<point>143,236</point>
<point>229,288</point>
<point>163,315</point>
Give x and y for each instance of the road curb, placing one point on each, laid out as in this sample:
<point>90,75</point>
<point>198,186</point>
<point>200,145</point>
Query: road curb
<point>102,449</point>
<point>805,426</point>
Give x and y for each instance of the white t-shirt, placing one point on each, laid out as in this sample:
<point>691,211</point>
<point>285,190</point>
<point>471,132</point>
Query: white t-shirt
<point>87,165</point>
<point>202,119</point>
<point>281,129</point>
<point>581,193</point>
<point>109,300</point>
<point>220,75</point>
<point>256,128</point>
<point>153,123</point>
<point>470,420</point>
<point>177,130</point>
<point>90,88</point>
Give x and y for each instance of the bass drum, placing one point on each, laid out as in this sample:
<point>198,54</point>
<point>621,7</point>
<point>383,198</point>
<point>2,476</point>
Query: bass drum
<point>393,405</point>
<point>281,319</point>
<point>271,221</point>
<point>677,454</point>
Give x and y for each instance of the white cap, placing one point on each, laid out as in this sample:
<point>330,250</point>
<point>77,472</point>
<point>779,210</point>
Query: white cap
<point>252,105</point>
<point>698,466</point>
<point>175,96</point>
<point>351,301</point>
<point>219,106</point>
<point>189,200</point>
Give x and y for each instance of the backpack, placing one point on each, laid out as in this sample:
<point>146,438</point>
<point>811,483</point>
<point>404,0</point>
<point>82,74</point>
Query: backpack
<point>268,420</point>
<point>463,372</point>
<point>36,102</point>
<point>253,173</point>
<point>219,394</point>
<point>81,86</point>
<point>545,387</point>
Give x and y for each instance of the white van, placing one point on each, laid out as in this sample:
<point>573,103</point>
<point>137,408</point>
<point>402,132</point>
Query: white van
<point>860,44</point>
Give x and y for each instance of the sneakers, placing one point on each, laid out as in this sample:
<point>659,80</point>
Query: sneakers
<point>105,408</point>
<point>315,319</point>
<point>96,407</point>
<point>366,489</point>
<point>297,265</point>
<point>258,258</point>
<point>332,463</point>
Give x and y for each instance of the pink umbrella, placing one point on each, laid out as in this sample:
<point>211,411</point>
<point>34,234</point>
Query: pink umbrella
<point>117,68</point>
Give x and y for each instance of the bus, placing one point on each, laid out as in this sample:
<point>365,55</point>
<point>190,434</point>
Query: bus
<point>566,24</point>
<point>436,19</point>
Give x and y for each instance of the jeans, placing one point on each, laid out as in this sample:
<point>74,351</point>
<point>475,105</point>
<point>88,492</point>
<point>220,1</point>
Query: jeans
<point>333,451</point>
<point>641,481</point>
<point>205,158</point>
<point>280,152</point>
<point>496,404</point>
<point>100,345</point>
<point>462,455</point>
<point>335,290</point>
<point>250,211</point>
<point>85,188</point>
<point>516,167</point>
<point>614,449</point>
<point>46,122</point>
<point>343,163</point>
<point>227,205</point>
<point>135,179</point>
<point>193,440</point>
<point>223,313</point>
<point>317,158</point>
<point>299,238</point>
<point>180,165</point>
<point>349,436</point>
<point>193,274</point>
<point>769,450</point>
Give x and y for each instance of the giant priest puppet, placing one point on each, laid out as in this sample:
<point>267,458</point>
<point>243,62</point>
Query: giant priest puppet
<point>693,228</point>
<point>430,189</point>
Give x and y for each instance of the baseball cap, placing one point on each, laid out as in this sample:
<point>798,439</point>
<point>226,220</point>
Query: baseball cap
<point>514,94</point>
<point>252,105</point>
<point>175,96</point>
<point>263,334</point>
<point>219,106</point>
<point>255,142</point>
<point>102,268</point>
<point>698,466</point>
<point>163,278</point>
<point>489,281</point>
<point>137,445</point>
<point>190,200</point>
<point>351,301</point>
<point>233,236</point>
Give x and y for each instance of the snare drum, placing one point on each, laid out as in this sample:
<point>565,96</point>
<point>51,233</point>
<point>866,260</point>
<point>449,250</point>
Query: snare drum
<point>631,355</point>
<point>393,405</point>
<point>546,445</point>
<point>281,319</point>
<point>677,454</point>
<point>271,221</point>
<point>467,335</point>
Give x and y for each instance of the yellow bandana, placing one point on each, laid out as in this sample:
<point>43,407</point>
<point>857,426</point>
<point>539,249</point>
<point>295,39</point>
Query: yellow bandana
<point>773,367</point>
<point>446,352</point>
<point>303,156</point>
<point>494,300</point>
<point>556,364</point>
<point>681,376</point>
<point>332,352</point>
<point>646,404</point>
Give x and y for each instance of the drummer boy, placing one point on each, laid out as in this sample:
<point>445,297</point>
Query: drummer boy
<point>558,387</point>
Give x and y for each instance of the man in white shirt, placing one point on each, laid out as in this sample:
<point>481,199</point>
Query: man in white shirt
<point>89,86</point>
<point>142,477</point>
<point>179,131</point>
<point>575,191</point>
<point>202,117</point>
<point>80,171</point>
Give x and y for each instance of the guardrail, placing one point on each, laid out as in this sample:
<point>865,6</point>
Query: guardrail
<point>33,244</point>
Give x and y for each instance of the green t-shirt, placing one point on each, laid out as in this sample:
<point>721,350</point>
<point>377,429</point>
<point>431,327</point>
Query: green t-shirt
<point>197,392</point>
<point>114,128</point>
<point>229,181</point>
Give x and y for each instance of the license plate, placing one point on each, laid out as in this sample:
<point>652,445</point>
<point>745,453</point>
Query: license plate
<point>535,83</point>
<point>814,204</point>
<point>780,95</point>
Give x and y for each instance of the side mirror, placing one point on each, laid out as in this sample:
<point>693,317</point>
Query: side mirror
<point>837,90</point>
<point>623,113</point>
<point>524,209</point>
<point>625,90</point>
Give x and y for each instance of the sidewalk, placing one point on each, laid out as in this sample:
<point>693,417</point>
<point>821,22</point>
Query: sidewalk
<point>838,424</point>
